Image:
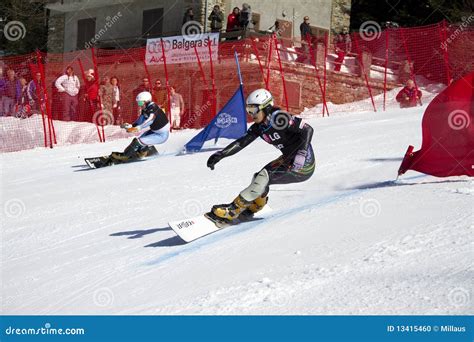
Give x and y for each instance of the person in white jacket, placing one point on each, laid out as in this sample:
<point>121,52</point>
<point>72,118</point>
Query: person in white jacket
<point>68,86</point>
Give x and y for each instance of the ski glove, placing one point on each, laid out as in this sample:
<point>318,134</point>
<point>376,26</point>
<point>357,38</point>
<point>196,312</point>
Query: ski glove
<point>125,125</point>
<point>133,130</point>
<point>299,160</point>
<point>214,159</point>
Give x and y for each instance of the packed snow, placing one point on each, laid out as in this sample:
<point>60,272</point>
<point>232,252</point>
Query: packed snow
<point>350,240</point>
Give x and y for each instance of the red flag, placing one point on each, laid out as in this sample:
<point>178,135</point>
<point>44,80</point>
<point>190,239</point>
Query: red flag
<point>448,134</point>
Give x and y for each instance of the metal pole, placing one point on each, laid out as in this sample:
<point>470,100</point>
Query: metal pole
<point>205,16</point>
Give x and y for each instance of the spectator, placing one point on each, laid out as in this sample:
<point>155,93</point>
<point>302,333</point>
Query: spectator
<point>343,45</point>
<point>23,108</point>
<point>177,108</point>
<point>36,95</point>
<point>306,36</point>
<point>2,91</point>
<point>188,16</point>
<point>275,29</point>
<point>91,96</point>
<point>106,95</point>
<point>305,30</point>
<point>233,20</point>
<point>68,86</point>
<point>116,110</point>
<point>145,86</point>
<point>246,17</point>
<point>409,96</point>
<point>160,95</point>
<point>217,18</point>
<point>11,94</point>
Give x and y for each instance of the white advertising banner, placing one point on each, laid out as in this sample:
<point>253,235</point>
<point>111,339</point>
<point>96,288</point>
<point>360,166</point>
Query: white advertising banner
<point>180,49</point>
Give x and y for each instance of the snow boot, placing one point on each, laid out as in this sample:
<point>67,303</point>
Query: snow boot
<point>131,151</point>
<point>253,208</point>
<point>147,151</point>
<point>231,211</point>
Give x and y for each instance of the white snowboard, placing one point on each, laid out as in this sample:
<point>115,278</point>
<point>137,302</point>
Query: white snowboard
<point>193,228</point>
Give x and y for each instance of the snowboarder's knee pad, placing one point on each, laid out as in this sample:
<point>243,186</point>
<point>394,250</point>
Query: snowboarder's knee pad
<point>258,186</point>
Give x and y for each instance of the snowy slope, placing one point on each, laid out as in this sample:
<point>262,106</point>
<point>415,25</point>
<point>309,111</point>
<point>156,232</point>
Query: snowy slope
<point>348,241</point>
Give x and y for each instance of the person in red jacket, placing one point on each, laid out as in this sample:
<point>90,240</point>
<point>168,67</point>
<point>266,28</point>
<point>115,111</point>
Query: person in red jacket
<point>91,96</point>
<point>409,96</point>
<point>233,20</point>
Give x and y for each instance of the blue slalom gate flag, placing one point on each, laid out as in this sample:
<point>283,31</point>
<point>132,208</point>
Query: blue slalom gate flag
<point>230,123</point>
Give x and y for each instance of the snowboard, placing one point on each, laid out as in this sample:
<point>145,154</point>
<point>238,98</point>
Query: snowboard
<point>104,161</point>
<point>191,229</point>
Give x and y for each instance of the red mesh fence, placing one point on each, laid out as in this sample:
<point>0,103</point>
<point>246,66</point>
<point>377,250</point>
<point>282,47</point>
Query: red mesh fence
<point>324,71</point>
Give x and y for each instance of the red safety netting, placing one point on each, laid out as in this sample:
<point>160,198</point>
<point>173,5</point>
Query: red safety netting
<point>318,71</point>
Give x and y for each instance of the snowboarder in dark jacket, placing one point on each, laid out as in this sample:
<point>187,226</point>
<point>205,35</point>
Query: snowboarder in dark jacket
<point>291,135</point>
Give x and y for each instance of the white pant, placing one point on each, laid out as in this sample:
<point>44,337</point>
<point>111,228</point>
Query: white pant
<point>155,137</point>
<point>175,116</point>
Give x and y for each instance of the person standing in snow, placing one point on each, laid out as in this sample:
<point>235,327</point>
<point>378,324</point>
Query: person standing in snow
<point>409,96</point>
<point>291,135</point>
<point>68,86</point>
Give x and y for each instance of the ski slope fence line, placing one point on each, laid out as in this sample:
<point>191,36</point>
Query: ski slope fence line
<point>300,72</point>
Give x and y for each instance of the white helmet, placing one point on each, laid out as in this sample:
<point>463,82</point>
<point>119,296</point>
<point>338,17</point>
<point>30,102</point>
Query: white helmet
<point>143,98</point>
<point>258,100</point>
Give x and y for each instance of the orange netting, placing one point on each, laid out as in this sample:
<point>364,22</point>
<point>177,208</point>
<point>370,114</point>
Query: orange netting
<point>300,74</point>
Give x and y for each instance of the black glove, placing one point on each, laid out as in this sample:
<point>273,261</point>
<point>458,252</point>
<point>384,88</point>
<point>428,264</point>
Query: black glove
<point>214,159</point>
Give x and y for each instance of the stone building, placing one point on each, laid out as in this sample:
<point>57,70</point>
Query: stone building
<point>79,24</point>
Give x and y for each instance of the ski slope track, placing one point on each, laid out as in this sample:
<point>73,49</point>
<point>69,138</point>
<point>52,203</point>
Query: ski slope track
<point>351,240</point>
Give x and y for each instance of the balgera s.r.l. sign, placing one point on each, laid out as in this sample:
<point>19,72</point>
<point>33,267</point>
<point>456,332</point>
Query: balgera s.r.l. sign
<point>180,49</point>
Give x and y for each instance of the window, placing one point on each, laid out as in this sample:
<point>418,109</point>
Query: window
<point>152,23</point>
<point>85,32</point>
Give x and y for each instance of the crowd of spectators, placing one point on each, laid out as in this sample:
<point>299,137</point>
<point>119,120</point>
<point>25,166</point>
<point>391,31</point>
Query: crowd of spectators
<point>239,19</point>
<point>73,100</point>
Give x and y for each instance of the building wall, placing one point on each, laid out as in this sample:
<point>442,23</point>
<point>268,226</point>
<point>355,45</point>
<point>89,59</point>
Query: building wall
<point>327,14</point>
<point>56,23</point>
<point>128,24</point>
<point>341,15</point>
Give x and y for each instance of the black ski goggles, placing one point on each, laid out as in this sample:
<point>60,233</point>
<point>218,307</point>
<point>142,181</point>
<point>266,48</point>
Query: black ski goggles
<point>252,109</point>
